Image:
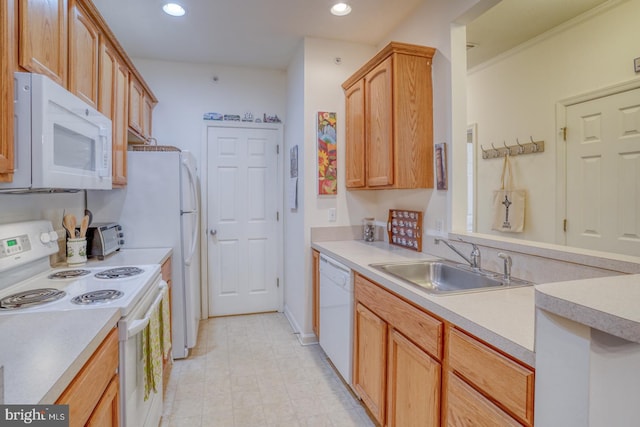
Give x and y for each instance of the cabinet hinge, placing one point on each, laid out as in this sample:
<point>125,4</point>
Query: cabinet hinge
<point>564,133</point>
<point>278,149</point>
<point>564,225</point>
<point>277,282</point>
<point>277,215</point>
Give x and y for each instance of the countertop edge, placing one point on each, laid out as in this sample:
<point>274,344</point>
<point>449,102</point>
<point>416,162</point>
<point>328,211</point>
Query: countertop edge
<point>606,322</point>
<point>78,363</point>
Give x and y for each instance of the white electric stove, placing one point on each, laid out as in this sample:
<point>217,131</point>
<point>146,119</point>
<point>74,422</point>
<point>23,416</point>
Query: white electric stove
<point>29,285</point>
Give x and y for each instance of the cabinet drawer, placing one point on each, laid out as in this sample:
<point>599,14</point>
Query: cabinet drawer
<point>424,330</point>
<point>467,407</point>
<point>501,379</point>
<point>86,389</point>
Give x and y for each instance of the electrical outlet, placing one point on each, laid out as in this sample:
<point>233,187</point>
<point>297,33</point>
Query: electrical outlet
<point>332,214</point>
<point>439,225</point>
<point>636,65</point>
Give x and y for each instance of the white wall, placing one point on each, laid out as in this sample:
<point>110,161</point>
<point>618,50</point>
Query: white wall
<point>516,96</point>
<point>186,91</point>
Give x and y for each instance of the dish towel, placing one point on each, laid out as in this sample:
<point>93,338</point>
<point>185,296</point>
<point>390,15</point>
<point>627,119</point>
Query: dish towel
<point>166,326</point>
<point>152,354</point>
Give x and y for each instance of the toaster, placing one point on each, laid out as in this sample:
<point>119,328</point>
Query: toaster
<point>104,239</point>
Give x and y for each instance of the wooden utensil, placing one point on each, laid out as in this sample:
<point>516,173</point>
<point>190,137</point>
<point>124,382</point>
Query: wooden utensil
<point>84,224</point>
<point>69,222</point>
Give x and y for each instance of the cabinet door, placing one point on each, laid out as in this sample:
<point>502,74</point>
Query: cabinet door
<point>43,38</point>
<point>316,293</point>
<point>136,95</point>
<point>379,125</point>
<point>147,114</point>
<point>7,49</point>
<point>370,360</point>
<point>468,408</point>
<point>413,385</point>
<point>107,412</point>
<point>114,103</point>
<point>84,48</point>
<point>355,136</point>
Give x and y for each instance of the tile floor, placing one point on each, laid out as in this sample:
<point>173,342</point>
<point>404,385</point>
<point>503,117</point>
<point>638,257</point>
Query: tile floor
<point>252,371</point>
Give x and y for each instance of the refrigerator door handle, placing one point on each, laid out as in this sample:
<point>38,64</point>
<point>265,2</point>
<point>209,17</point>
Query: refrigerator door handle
<point>193,184</point>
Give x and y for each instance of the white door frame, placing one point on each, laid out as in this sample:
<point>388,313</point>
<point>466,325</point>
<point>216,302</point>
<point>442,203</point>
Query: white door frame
<point>561,147</point>
<point>204,175</point>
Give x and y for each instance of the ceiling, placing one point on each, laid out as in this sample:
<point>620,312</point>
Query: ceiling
<point>265,33</point>
<point>512,22</point>
<point>255,33</point>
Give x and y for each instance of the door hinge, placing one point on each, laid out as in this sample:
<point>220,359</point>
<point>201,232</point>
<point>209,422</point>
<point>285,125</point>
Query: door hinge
<point>278,282</point>
<point>277,215</point>
<point>278,149</point>
<point>564,133</point>
<point>564,225</point>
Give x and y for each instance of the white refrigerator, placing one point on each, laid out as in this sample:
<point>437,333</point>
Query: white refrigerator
<point>160,207</point>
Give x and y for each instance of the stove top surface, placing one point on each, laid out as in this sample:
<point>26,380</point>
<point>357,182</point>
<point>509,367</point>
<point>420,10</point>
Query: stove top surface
<point>80,288</point>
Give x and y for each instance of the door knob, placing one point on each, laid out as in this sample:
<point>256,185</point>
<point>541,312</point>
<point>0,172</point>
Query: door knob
<point>213,232</point>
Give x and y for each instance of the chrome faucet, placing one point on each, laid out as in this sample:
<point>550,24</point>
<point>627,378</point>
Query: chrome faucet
<point>507,265</point>
<point>474,259</point>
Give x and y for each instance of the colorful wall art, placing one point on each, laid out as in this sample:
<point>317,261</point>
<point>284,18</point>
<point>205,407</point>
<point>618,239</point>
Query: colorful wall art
<point>327,154</point>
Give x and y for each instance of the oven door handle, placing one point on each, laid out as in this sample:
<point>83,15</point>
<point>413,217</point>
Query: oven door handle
<point>138,325</point>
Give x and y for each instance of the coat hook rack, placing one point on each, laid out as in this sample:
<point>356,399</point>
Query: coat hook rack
<point>512,150</point>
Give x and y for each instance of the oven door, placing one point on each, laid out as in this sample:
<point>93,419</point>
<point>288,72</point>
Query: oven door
<point>134,409</point>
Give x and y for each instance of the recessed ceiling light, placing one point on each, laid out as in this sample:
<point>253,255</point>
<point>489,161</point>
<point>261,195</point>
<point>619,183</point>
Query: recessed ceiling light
<point>341,9</point>
<point>173,9</point>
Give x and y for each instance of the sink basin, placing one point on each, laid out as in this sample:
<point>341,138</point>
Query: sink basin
<point>443,277</point>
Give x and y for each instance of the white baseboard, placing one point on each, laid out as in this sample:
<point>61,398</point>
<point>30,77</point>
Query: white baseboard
<point>304,339</point>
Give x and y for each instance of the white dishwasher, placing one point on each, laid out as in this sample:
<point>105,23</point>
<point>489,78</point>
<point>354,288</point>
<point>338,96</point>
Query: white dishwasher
<point>336,314</point>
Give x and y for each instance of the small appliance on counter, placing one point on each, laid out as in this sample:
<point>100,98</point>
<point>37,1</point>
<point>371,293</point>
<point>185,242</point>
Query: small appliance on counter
<point>104,239</point>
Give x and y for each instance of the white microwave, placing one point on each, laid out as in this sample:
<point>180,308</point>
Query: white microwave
<point>61,142</point>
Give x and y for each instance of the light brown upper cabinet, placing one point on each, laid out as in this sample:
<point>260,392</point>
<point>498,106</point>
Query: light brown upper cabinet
<point>141,105</point>
<point>7,51</point>
<point>70,42</point>
<point>114,103</point>
<point>389,120</point>
<point>84,51</point>
<point>43,38</point>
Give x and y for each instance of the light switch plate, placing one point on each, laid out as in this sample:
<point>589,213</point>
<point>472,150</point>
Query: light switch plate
<point>636,65</point>
<point>332,214</point>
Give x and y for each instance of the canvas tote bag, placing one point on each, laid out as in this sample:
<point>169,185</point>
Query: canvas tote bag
<point>508,203</point>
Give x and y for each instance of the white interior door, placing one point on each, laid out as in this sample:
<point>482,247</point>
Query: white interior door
<point>242,223</point>
<point>603,173</point>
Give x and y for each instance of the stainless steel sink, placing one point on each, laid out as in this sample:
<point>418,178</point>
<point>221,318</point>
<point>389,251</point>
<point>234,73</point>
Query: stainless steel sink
<point>444,277</point>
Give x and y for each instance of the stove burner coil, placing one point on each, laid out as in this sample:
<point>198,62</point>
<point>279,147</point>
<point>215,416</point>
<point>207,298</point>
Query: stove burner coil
<point>31,298</point>
<point>69,274</point>
<point>97,297</point>
<point>119,273</point>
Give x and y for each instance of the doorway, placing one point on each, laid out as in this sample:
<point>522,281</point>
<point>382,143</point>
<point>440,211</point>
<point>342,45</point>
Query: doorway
<point>603,173</point>
<point>243,219</point>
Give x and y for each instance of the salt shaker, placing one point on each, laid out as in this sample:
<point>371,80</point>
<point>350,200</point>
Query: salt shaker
<point>368,229</point>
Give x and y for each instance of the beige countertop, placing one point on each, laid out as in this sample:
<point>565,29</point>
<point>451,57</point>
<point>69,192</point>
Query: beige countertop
<point>503,318</point>
<point>609,304</point>
<point>133,257</point>
<point>42,352</point>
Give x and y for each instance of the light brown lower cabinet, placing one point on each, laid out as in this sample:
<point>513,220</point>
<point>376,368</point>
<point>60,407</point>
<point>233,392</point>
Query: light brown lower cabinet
<point>467,407</point>
<point>370,363</point>
<point>93,395</point>
<point>413,369</point>
<point>503,382</point>
<point>414,381</point>
<point>396,377</point>
<point>315,323</point>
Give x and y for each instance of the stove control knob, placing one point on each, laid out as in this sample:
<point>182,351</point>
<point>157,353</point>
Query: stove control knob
<point>49,237</point>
